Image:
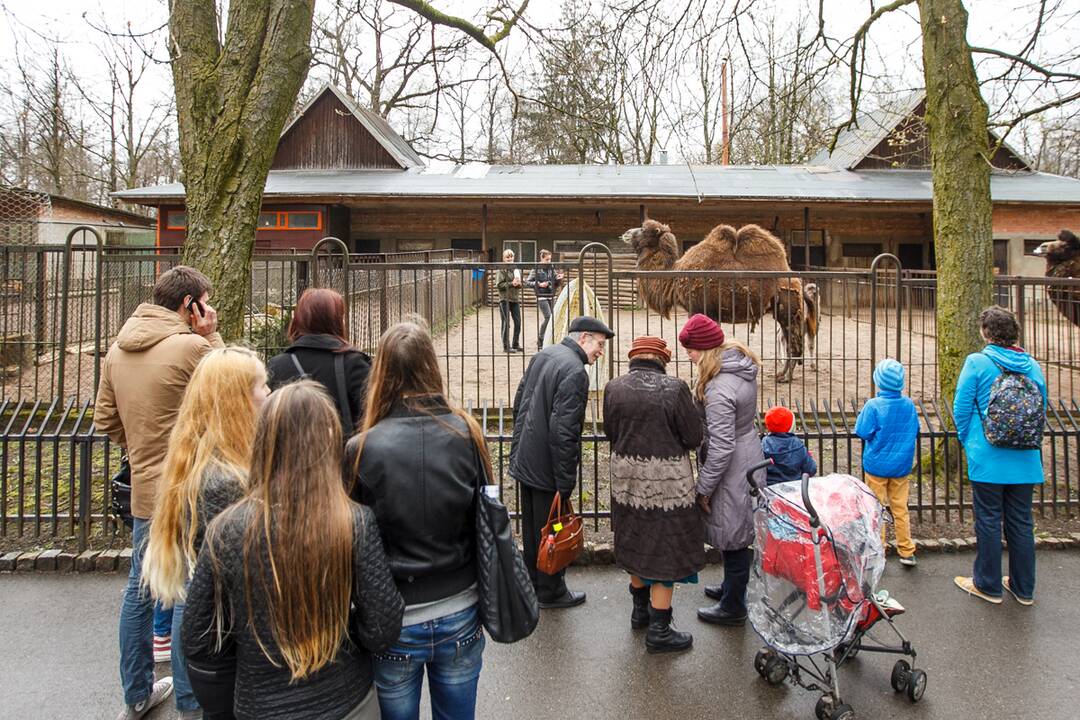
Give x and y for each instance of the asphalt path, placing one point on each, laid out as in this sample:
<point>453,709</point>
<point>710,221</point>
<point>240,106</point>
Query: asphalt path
<point>58,654</point>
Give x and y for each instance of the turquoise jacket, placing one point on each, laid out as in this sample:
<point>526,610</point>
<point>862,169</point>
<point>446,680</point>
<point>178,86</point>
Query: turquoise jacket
<point>986,463</point>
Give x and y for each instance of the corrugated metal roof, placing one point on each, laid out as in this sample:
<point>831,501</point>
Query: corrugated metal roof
<point>375,124</point>
<point>636,182</point>
<point>856,142</point>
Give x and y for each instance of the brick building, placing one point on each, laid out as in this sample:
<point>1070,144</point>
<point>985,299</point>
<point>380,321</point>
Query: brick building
<point>342,171</point>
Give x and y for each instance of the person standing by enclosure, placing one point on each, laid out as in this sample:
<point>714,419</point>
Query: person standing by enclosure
<point>425,505</point>
<point>1000,413</point>
<point>143,380</point>
<point>726,388</point>
<point>320,350</point>
<point>292,579</point>
<point>889,427</point>
<point>549,412</point>
<point>508,283</point>
<point>652,423</point>
<point>545,281</point>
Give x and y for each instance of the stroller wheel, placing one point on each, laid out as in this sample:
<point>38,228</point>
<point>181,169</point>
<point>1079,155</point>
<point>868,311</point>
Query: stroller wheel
<point>842,711</point>
<point>823,708</point>
<point>776,670</point>
<point>900,673</point>
<point>760,660</point>
<point>916,685</point>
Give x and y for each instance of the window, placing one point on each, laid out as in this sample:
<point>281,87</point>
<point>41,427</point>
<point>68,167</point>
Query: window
<point>292,220</point>
<point>1030,245</point>
<point>176,220</point>
<point>861,250</point>
<point>524,250</point>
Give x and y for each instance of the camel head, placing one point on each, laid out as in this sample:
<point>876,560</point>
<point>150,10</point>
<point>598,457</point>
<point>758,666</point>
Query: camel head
<point>649,237</point>
<point>1066,247</point>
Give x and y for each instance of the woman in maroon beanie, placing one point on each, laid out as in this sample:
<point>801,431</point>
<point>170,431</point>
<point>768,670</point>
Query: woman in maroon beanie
<point>727,389</point>
<point>653,424</point>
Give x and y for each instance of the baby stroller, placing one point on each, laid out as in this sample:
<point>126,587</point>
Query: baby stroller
<point>811,597</point>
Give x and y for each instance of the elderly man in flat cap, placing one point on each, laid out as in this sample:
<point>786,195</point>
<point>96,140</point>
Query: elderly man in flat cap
<point>549,411</point>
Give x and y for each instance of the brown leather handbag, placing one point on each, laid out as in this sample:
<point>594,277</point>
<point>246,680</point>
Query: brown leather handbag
<point>561,540</point>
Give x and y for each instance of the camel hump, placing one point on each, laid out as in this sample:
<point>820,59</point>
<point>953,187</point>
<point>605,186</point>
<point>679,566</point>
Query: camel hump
<point>727,234</point>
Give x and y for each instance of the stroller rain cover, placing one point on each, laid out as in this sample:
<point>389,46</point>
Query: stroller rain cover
<point>790,608</point>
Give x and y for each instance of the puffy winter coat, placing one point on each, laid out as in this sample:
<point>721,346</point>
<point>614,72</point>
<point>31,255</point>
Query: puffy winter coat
<point>790,458</point>
<point>985,462</point>
<point>316,354</point>
<point>731,446</point>
<point>549,411</point>
<point>143,380</point>
<point>265,691</point>
<point>889,426</point>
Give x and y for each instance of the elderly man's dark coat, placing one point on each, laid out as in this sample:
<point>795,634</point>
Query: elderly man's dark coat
<point>653,423</point>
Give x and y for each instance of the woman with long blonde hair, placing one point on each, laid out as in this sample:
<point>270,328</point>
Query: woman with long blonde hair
<point>205,472</point>
<point>726,388</point>
<point>417,465</point>
<point>294,576</point>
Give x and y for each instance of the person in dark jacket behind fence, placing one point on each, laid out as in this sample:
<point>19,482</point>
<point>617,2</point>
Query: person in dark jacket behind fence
<point>787,451</point>
<point>545,281</point>
<point>321,351</point>
<point>294,577</point>
<point>549,412</point>
<point>419,461</point>
<point>652,423</point>
<point>889,426</point>
<point>727,390</point>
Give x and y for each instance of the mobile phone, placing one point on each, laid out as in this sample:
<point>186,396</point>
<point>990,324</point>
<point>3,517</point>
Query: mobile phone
<point>196,304</point>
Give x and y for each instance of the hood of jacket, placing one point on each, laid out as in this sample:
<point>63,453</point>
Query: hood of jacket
<point>1014,360</point>
<point>149,325</point>
<point>735,363</point>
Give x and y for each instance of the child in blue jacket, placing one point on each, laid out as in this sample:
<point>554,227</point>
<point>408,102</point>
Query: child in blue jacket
<point>889,426</point>
<point>789,455</point>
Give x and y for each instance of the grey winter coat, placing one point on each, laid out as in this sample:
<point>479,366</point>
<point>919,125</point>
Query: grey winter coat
<point>731,445</point>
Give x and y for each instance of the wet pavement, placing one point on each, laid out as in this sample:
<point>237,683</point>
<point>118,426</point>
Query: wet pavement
<point>58,654</point>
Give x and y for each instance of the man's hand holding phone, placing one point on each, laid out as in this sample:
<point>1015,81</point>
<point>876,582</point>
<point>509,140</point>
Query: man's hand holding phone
<point>201,317</point>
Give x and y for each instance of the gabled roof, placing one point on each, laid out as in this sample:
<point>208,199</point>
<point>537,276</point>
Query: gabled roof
<point>856,144</point>
<point>373,123</point>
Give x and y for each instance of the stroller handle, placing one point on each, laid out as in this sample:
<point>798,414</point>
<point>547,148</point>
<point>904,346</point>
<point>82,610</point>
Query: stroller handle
<point>814,521</point>
<point>750,475</point>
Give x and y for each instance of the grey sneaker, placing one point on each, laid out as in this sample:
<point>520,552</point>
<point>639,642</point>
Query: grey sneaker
<point>189,715</point>
<point>162,690</point>
<point>909,561</point>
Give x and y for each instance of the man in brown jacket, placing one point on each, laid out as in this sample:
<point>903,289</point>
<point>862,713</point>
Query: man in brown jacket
<point>142,383</point>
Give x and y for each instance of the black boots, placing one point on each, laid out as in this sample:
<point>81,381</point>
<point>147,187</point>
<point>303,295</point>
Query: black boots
<point>639,618</point>
<point>661,637</point>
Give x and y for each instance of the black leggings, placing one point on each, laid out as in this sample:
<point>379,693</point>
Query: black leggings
<point>509,310</point>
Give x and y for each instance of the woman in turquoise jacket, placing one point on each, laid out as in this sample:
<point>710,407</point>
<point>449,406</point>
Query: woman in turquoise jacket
<point>1002,479</point>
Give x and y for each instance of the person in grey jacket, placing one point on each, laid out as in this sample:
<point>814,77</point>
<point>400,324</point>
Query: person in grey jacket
<point>727,389</point>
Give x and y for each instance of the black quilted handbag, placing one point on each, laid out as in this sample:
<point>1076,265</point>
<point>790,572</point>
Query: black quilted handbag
<point>508,607</point>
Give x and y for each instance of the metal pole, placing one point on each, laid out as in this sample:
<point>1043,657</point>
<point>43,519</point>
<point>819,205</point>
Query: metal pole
<point>65,291</point>
<point>873,310</point>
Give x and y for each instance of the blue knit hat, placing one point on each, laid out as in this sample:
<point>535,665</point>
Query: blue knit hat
<point>889,375</point>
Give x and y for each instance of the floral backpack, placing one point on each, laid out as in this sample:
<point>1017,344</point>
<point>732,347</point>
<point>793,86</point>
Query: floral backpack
<point>1015,415</point>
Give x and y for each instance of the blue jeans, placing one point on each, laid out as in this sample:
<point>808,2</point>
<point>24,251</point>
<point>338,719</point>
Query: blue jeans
<point>452,649</point>
<point>185,697</point>
<point>136,625</point>
<point>1009,505</point>
<point>163,620</point>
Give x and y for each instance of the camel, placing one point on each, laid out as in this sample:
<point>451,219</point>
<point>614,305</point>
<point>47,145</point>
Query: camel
<point>1063,261</point>
<point>745,300</point>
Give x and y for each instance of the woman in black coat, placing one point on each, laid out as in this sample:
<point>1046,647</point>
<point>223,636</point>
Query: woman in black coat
<point>320,351</point>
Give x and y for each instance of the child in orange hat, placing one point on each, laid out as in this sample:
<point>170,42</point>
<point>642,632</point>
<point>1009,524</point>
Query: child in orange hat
<point>789,455</point>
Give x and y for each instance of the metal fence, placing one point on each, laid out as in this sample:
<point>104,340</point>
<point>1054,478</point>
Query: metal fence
<point>60,308</point>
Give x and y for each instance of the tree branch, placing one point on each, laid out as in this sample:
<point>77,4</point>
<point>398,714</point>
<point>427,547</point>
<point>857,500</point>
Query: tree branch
<point>426,10</point>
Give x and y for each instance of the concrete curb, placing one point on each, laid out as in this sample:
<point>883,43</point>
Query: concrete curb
<point>112,561</point>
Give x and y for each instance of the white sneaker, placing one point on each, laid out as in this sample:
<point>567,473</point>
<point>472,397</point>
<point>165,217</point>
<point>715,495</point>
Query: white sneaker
<point>162,648</point>
<point>162,690</point>
<point>909,561</point>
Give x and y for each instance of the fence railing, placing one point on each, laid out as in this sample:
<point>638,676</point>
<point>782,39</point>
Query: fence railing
<point>61,307</point>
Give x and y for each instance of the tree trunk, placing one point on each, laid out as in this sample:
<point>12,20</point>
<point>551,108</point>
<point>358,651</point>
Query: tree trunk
<point>232,101</point>
<point>959,155</point>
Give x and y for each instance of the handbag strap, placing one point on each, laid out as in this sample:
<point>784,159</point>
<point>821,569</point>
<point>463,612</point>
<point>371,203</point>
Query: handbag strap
<point>343,396</point>
<point>556,507</point>
<point>299,367</point>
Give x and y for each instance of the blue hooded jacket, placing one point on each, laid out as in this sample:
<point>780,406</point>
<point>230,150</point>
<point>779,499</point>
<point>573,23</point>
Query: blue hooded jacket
<point>986,463</point>
<point>889,425</point>
<point>790,458</point>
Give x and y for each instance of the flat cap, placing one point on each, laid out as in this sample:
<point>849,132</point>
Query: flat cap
<point>584,323</point>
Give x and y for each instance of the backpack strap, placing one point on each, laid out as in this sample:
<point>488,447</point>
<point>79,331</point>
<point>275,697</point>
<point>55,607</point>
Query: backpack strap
<point>343,396</point>
<point>299,367</point>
